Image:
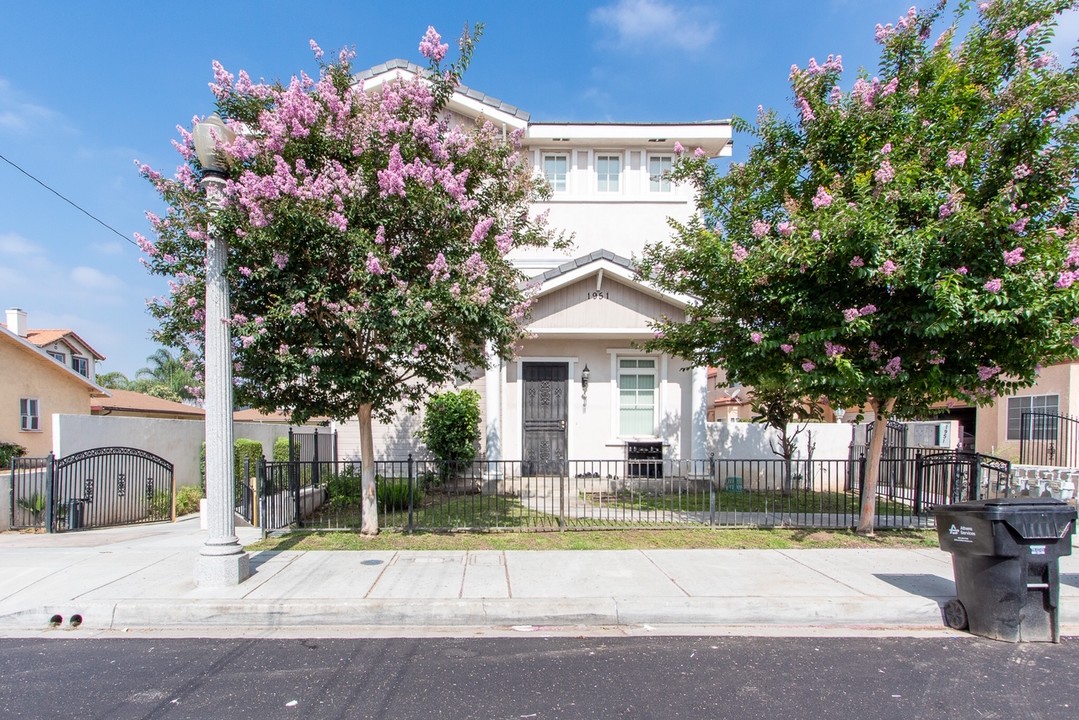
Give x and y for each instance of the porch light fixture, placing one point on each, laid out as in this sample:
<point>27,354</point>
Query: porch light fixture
<point>585,374</point>
<point>222,560</point>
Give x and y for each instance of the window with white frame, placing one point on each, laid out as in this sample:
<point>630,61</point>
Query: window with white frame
<point>555,170</point>
<point>29,417</point>
<point>1037,426</point>
<point>57,356</point>
<point>80,365</point>
<point>637,396</point>
<point>608,172</point>
<point>659,167</point>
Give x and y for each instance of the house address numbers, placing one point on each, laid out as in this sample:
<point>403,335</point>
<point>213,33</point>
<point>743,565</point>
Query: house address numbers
<point>597,295</point>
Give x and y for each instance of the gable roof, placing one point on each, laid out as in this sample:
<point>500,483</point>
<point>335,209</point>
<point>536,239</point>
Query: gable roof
<point>41,338</point>
<point>599,261</point>
<point>33,350</point>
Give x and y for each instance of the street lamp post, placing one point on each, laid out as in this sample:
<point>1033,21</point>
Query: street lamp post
<point>222,561</point>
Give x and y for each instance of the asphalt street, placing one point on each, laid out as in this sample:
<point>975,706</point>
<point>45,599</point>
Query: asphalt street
<point>538,677</point>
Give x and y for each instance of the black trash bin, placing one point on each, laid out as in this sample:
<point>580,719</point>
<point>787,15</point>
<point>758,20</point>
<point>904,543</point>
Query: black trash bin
<point>75,510</point>
<point>1005,556</point>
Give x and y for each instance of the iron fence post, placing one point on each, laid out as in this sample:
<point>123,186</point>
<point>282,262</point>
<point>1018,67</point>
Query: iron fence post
<point>296,485</point>
<point>861,486</point>
<point>316,475</point>
<point>975,476</point>
<point>917,484</point>
<point>50,494</point>
<point>712,480</point>
<point>411,477</point>
<point>259,492</point>
<point>561,498</point>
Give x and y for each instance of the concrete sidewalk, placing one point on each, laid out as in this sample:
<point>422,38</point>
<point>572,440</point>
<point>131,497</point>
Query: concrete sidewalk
<point>141,579</point>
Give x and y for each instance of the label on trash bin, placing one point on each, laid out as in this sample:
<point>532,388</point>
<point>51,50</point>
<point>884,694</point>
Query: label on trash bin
<point>1037,549</point>
<point>964,534</point>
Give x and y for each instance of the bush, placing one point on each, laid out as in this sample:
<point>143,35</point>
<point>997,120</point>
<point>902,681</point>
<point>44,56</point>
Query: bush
<point>280,449</point>
<point>9,450</point>
<point>343,488</point>
<point>393,494</point>
<point>187,499</point>
<point>245,449</point>
<point>451,428</point>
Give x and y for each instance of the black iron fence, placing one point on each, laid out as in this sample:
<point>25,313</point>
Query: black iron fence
<point>101,487</point>
<point>595,494</point>
<point>1048,439</point>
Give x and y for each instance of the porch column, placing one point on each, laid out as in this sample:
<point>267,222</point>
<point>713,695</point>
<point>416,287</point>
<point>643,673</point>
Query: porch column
<point>493,392</point>
<point>698,421</point>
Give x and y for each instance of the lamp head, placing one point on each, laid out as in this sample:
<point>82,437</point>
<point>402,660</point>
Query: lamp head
<point>207,135</point>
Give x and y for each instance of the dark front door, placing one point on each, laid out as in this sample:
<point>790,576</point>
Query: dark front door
<point>544,418</point>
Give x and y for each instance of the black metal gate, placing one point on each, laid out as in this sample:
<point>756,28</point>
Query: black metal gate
<point>94,488</point>
<point>1048,439</point>
<point>943,478</point>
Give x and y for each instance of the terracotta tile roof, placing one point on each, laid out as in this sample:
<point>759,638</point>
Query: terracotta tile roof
<point>129,401</point>
<point>42,338</point>
<point>28,347</point>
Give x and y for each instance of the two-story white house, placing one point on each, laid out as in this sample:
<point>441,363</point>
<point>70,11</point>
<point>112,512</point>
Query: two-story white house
<point>579,389</point>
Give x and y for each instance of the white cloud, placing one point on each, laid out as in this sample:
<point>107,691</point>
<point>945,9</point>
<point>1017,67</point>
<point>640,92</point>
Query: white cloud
<point>648,25</point>
<point>89,278</point>
<point>111,248</point>
<point>20,116</point>
<point>16,245</point>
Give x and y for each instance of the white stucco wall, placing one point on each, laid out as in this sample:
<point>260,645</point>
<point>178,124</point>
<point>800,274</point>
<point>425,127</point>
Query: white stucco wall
<point>750,441</point>
<point>177,441</point>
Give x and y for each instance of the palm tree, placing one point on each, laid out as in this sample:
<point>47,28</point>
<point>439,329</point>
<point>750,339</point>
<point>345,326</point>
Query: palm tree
<point>114,380</point>
<point>168,370</point>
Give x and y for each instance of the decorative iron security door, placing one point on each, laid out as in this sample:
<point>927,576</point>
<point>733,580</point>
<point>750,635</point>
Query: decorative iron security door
<point>544,418</point>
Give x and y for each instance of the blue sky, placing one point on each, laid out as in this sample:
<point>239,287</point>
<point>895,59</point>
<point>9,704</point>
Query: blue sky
<point>87,88</point>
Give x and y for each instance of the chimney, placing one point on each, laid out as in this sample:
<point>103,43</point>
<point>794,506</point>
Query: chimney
<point>16,321</point>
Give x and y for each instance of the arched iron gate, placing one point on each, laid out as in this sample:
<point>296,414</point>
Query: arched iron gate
<point>943,478</point>
<point>94,488</point>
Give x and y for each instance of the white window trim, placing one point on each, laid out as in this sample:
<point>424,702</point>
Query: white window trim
<point>57,356</point>
<point>568,156</point>
<point>25,417</point>
<point>648,174</point>
<point>75,359</point>
<point>622,168</point>
<point>617,354</point>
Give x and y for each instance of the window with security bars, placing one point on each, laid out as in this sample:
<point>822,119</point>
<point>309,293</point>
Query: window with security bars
<point>1039,426</point>
<point>637,397</point>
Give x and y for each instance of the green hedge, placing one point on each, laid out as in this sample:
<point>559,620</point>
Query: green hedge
<point>9,450</point>
<point>280,449</point>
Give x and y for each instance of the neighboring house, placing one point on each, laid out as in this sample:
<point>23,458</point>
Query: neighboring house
<point>579,388</point>
<point>63,346</point>
<point>127,403</point>
<point>36,387</point>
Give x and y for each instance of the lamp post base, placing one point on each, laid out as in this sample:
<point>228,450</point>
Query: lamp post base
<point>222,570</point>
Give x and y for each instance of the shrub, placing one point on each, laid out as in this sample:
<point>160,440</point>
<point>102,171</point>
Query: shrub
<point>451,428</point>
<point>245,449</point>
<point>392,494</point>
<point>280,449</point>
<point>187,499</point>
<point>9,450</point>
<point>343,488</point>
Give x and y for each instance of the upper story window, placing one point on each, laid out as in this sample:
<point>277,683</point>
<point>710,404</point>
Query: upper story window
<point>659,167</point>
<point>1038,426</point>
<point>29,417</point>
<point>608,172</point>
<point>80,365</point>
<point>555,170</point>
<point>57,356</point>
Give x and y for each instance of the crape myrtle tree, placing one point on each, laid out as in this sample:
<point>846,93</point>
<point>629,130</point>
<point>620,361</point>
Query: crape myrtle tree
<point>902,243</point>
<point>368,237</point>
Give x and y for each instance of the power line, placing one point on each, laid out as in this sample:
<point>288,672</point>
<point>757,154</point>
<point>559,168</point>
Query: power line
<point>72,203</point>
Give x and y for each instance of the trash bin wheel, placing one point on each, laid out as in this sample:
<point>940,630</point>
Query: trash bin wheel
<point>955,615</point>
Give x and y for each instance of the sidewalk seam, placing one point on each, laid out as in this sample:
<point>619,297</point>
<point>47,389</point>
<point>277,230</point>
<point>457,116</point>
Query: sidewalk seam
<point>664,573</point>
<point>824,574</point>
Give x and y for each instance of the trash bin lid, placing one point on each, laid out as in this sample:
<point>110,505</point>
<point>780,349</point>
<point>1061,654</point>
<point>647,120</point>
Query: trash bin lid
<point>1032,518</point>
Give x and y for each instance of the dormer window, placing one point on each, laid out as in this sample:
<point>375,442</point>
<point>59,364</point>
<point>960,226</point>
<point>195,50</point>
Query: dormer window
<point>659,168</point>
<point>57,356</point>
<point>80,365</point>
<point>608,173</point>
<point>555,170</point>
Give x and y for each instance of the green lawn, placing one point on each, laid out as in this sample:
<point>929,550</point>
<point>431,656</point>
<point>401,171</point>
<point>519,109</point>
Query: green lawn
<point>797,502</point>
<point>638,539</point>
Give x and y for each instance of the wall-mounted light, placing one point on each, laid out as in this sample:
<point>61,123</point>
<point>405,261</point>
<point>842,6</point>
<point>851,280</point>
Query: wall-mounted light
<point>585,374</point>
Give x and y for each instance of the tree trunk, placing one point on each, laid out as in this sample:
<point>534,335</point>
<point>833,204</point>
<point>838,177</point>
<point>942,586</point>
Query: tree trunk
<point>872,473</point>
<point>369,505</point>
